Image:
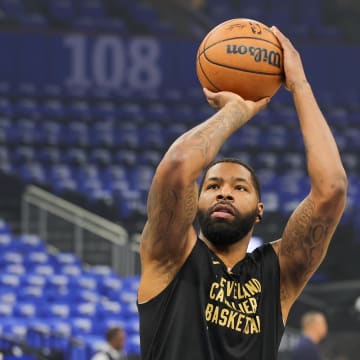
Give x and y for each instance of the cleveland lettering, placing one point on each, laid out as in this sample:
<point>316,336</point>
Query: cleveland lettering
<point>234,305</point>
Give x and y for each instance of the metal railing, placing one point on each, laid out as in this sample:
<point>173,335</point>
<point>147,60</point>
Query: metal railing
<point>68,227</point>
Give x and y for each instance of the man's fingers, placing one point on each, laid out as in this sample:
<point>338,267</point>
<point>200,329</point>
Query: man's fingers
<point>208,93</point>
<point>262,103</point>
<point>281,37</point>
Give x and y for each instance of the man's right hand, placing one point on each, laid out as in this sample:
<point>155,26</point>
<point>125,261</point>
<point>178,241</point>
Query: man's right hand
<point>218,100</point>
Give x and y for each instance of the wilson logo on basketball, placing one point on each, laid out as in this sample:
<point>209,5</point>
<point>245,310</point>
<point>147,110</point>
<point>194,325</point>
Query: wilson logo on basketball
<point>271,57</point>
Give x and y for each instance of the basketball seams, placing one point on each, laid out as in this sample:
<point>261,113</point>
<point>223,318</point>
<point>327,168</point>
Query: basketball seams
<point>203,44</point>
<point>200,66</point>
<point>206,75</point>
<point>242,69</point>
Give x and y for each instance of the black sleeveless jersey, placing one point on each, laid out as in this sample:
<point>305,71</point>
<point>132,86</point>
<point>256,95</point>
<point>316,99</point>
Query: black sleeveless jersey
<point>208,313</point>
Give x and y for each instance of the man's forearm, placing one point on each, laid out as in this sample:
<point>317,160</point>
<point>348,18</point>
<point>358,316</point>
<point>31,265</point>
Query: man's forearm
<point>323,159</point>
<point>200,145</point>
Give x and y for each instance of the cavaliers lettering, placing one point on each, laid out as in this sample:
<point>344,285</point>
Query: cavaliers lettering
<point>234,305</point>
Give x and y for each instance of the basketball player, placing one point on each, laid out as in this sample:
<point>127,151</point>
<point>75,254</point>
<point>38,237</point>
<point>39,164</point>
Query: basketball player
<point>201,296</point>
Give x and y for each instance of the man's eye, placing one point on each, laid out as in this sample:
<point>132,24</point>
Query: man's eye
<point>239,187</point>
<point>212,186</point>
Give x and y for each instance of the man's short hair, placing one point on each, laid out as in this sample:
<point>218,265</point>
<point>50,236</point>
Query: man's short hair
<point>111,333</point>
<point>254,177</point>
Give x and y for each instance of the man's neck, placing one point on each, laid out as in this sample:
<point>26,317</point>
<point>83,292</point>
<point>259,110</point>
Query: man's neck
<point>229,254</point>
<point>312,336</point>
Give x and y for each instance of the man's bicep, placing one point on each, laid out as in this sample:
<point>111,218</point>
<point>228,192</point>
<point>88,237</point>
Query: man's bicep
<point>171,212</point>
<point>303,246</point>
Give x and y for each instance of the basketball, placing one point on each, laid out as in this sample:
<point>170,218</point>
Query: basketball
<point>242,56</point>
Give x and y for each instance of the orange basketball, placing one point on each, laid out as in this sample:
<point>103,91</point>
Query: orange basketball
<point>242,56</point>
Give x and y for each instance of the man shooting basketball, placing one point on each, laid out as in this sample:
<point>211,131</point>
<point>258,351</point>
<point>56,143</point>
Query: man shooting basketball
<point>201,296</point>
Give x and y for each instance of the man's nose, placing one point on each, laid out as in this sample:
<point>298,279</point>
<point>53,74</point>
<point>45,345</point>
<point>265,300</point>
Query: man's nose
<point>224,194</point>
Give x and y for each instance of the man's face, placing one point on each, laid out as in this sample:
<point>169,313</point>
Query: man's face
<point>322,326</point>
<point>118,342</point>
<point>228,204</point>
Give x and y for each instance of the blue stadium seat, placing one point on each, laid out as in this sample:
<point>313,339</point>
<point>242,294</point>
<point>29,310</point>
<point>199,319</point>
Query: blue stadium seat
<point>70,270</point>
<point>33,172</point>
<point>48,155</point>
<point>62,10</point>
<point>64,258</point>
<point>127,140</point>
<point>6,310</point>
<point>110,287</point>
<point>91,8</point>
<point>45,270</point>
<point>60,172</point>
<point>125,158</point>
<point>33,294</point>
<point>6,107</point>
<point>15,329</point>
<point>85,296</point>
<point>13,9</point>
<point>85,309</point>
<point>52,108</point>
<point>49,133</point>
<point>16,269</point>
<point>220,12</point>
<point>33,280</point>
<point>133,344</point>
<point>110,309</point>
<point>81,325</point>
<point>36,258</point>
<point>132,326</point>
<point>25,310</point>
<point>84,282</point>
<point>11,257</point>
<point>76,156</point>
<point>7,296</point>
<point>101,272</point>
<point>22,132</point>
<point>57,310</point>
<point>38,333</point>
<point>30,242</point>
<point>101,156</point>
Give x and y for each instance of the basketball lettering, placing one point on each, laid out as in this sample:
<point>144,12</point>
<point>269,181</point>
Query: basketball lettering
<point>243,56</point>
<point>260,54</point>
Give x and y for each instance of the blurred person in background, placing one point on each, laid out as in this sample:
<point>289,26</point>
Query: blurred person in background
<point>114,347</point>
<point>314,328</point>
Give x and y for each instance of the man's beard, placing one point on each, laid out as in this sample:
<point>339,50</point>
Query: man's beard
<point>221,231</point>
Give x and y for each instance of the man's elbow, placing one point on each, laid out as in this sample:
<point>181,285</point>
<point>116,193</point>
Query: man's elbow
<point>335,192</point>
<point>176,165</point>
<point>339,187</point>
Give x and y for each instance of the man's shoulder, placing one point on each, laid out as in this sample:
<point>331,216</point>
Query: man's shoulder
<point>106,355</point>
<point>101,355</point>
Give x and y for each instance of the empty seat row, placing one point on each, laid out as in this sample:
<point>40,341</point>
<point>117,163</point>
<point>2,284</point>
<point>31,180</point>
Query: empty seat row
<point>121,17</point>
<point>52,300</point>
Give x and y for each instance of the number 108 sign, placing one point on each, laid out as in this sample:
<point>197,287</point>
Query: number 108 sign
<point>113,63</point>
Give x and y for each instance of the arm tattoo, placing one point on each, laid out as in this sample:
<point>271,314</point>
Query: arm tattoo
<point>208,139</point>
<point>165,206</point>
<point>161,215</point>
<point>304,240</point>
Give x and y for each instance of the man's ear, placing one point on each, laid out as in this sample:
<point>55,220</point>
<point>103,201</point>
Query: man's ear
<point>259,216</point>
